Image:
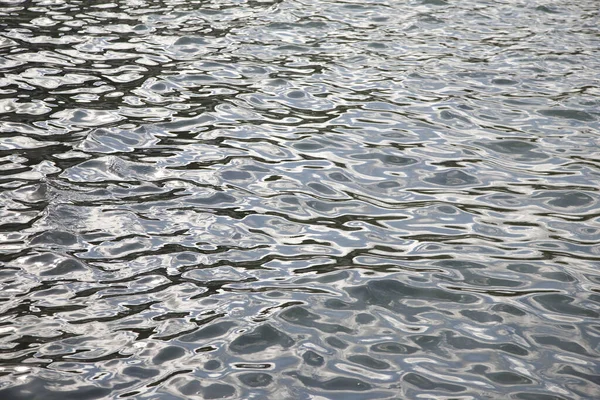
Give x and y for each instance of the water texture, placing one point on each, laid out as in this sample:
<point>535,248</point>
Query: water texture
<point>299,199</point>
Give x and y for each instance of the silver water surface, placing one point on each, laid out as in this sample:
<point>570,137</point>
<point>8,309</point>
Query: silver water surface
<point>299,199</point>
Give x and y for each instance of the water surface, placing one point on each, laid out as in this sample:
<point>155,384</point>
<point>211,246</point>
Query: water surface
<point>299,199</point>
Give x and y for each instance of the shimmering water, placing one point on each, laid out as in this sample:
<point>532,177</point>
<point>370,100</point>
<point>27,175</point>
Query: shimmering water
<point>299,199</point>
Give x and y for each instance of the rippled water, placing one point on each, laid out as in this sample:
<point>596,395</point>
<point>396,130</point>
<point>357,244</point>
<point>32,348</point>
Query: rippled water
<point>299,199</point>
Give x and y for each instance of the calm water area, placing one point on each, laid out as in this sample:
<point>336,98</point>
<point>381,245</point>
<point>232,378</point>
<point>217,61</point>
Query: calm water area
<point>299,199</point>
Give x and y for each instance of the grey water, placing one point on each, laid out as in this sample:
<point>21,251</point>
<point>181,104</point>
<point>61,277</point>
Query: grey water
<point>299,199</point>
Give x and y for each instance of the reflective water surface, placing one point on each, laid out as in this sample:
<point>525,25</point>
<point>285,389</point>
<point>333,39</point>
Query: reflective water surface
<point>299,199</point>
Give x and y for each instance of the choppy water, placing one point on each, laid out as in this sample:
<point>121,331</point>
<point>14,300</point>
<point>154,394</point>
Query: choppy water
<point>299,199</point>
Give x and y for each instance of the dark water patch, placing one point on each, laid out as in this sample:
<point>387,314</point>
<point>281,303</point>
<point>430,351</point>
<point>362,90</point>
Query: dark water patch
<point>167,354</point>
<point>577,115</point>
<point>504,81</point>
<point>424,383</point>
<point>256,379</point>
<point>65,268</point>
<point>312,358</point>
<point>260,339</point>
<point>569,370</point>
<point>337,343</point>
<point>427,342</point>
<point>508,309</point>
<point>58,238</point>
<point>369,362</point>
<point>520,150</point>
<point>40,389</point>
<point>218,391</point>
<point>452,178</point>
<point>212,365</point>
<point>481,316</point>
<point>191,388</point>
<point>559,276</point>
<point>389,293</point>
<point>335,384</point>
<point>211,331</point>
<point>562,304</point>
<point>140,372</point>
<point>540,396</point>
<point>566,199</point>
<point>386,159</point>
<point>393,348</point>
<point>562,344</point>
<point>364,318</point>
<point>301,316</point>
